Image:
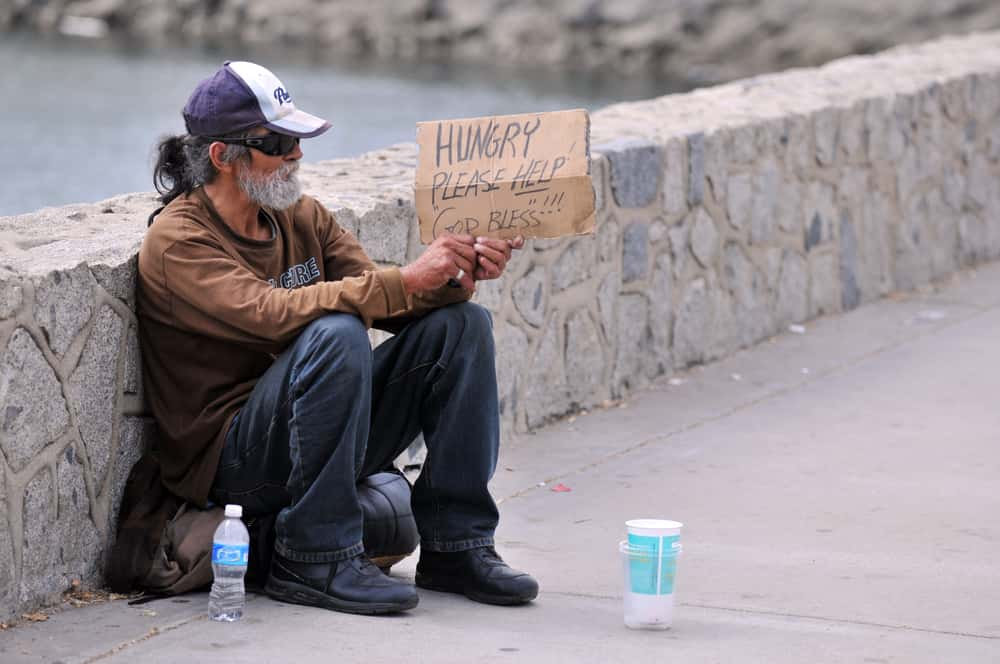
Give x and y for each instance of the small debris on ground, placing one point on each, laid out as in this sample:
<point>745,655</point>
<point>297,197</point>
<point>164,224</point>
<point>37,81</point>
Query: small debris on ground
<point>541,484</point>
<point>560,488</point>
<point>149,613</point>
<point>931,315</point>
<point>37,616</point>
<point>805,371</point>
<point>797,329</point>
<point>78,596</point>
<point>676,381</point>
<point>736,377</point>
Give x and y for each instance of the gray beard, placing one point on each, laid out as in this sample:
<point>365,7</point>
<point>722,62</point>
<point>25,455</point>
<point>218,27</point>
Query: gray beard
<point>277,191</point>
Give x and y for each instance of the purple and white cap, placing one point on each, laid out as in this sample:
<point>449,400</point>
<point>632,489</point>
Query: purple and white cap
<point>243,95</point>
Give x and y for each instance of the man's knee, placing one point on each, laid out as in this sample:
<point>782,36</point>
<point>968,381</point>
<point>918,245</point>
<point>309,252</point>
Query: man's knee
<point>473,321</point>
<point>341,337</point>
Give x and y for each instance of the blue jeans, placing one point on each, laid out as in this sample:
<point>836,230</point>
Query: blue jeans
<point>330,411</point>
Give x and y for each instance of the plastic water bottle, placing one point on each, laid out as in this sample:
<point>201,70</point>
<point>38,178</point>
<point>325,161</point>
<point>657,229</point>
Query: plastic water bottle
<point>230,554</point>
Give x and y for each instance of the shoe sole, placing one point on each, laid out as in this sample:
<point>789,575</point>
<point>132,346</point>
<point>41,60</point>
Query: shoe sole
<point>296,593</point>
<point>428,583</point>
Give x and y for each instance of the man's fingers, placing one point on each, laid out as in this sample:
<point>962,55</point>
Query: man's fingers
<point>491,269</point>
<point>458,245</point>
<point>494,254</point>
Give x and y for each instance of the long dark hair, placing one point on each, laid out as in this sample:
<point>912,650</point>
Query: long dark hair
<point>183,164</point>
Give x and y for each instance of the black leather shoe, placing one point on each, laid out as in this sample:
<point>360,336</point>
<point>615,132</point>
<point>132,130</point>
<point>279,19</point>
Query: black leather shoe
<point>352,586</point>
<point>479,574</point>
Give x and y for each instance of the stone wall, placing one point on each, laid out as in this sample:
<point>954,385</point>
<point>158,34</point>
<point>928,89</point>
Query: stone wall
<point>688,41</point>
<point>724,215</point>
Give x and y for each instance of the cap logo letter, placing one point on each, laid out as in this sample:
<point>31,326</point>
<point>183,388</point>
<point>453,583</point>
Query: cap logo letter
<point>281,96</point>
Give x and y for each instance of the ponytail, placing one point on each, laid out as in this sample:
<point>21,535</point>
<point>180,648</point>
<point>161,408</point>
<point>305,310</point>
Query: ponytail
<point>183,164</point>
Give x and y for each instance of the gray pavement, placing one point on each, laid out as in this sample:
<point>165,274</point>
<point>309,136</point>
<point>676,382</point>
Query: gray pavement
<point>838,489</point>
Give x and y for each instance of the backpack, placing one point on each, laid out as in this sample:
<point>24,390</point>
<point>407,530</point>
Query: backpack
<point>164,544</point>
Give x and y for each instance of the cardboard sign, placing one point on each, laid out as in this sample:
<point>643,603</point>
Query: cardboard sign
<point>505,176</point>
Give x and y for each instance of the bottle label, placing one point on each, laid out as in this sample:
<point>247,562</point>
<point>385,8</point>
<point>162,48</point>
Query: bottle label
<point>231,554</point>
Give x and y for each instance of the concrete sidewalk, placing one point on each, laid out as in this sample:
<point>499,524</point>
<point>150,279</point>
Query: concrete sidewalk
<point>839,490</point>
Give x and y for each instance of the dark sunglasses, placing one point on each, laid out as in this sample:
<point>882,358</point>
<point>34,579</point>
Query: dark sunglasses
<point>274,145</point>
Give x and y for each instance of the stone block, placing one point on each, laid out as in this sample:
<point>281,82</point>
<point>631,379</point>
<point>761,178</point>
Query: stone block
<point>575,264</point>
<point>909,173</point>
<point>135,436</point>
<point>765,197</point>
<point>974,240</point>
<point>92,389</point>
<point>679,242</point>
<point>608,240</point>
<point>598,175</point>
<point>635,170</point>
<point>346,218</point>
<point>852,133</point>
<point>75,538</point>
<point>718,148</point>
<point>820,214</point>
<point>751,297</point>
<point>585,362</point>
<point>635,251</point>
<point>739,200</point>
<point>993,144</point>
<point>824,283</point>
<point>799,157</point>
<point>875,279</point>
<point>511,355</point>
<point>630,355</point>
<point>32,409</point>
<point>8,592</point>
<point>744,144</point>
<point>696,169</point>
<point>953,99</point>
<point>530,298</point>
<point>981,182</point>
<point>384,232</point>
<point>40,579</point>
<point>64,302</point>
<point>545,394</point>
<point>10,295</point>
<point>826,129</point>
<point>661,315</point>
<point>607,305</point>
<point>943,226</point>
<point>788,210</point>
<point>132,380</point>
<point>675,192</point>
<point>118,280</point>
<point>692,324</point>
<point>886,141</point>
<point>850,289</point>
<point>658,232</point>
<point>490,293</point>
<point>704,239</point>
<point>792,305</point>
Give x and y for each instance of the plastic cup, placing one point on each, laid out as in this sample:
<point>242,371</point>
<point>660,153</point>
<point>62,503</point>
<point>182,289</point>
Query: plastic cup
<point>649,556</point>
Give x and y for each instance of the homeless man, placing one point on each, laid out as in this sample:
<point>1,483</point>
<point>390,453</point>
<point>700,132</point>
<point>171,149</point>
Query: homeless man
<point>254,306</point>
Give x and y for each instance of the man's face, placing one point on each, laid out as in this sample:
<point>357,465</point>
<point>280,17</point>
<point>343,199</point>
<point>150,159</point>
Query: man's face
<point>270,181</point>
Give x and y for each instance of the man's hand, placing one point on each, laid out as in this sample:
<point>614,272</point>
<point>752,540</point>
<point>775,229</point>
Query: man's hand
<point>447,257</point>
<point>492,256</point>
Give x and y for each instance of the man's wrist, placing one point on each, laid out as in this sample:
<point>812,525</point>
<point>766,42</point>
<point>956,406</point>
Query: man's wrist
<point>406,276</point>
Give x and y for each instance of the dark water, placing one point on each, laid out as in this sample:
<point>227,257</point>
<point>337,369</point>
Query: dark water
<point>81,117</point>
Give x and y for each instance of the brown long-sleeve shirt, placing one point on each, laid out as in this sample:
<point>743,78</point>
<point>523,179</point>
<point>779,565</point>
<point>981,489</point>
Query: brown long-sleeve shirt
<point>215,309</point>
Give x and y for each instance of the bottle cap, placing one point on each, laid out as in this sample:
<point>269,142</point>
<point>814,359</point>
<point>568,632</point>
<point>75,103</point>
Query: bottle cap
<point>234,510</point>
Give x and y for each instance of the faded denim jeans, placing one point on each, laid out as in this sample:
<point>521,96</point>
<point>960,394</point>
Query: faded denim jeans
<point>330,411</point>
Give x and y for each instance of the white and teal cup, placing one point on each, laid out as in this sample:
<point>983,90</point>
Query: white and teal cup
<point>650,559</point>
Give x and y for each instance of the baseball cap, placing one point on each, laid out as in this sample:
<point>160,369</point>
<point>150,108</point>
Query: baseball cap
<point>242,95</point>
